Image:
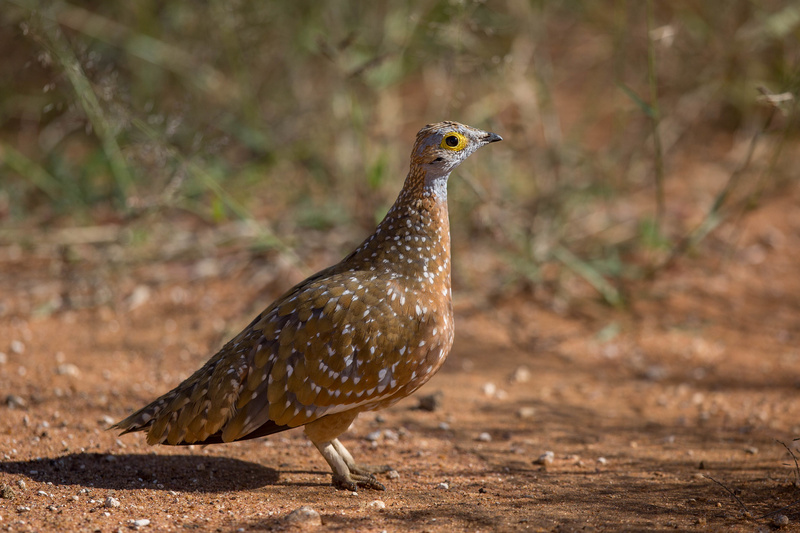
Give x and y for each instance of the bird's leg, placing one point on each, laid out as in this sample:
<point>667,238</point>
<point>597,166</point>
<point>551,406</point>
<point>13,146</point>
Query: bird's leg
<point>353,466</point>
<point>346,474</point>
<point>345,477</point>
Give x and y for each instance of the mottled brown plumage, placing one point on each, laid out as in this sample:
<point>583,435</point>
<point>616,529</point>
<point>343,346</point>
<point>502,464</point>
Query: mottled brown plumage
<point>354,337</point>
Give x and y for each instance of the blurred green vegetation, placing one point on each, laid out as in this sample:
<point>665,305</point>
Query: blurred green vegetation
<point>300,116</point>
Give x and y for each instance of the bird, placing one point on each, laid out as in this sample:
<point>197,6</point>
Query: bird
<point>357,336</point>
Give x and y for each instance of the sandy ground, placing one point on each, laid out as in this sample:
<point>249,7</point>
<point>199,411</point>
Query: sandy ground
<point>668,416</point>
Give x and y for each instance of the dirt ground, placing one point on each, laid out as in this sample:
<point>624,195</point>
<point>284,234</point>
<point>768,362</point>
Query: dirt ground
<point>670,416</point>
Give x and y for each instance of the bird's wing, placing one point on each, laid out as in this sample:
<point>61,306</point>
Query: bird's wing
<point>329,346</point>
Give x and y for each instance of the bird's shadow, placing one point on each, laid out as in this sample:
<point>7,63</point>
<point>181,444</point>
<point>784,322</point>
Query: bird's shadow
<point>132,471</point>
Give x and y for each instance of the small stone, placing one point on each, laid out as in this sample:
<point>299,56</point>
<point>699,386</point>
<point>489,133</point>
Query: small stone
<point>526,412</point>
<point>602,461</point>
<point>489,389</point>
<point>142,522</point>
<point>521,375</point>
<point>545,459</point>
<point>139,296</point>
<point>304,516</point>
<point>7,493</point>
<point>485,437</point>
<point>15,402</point>
<point>109,458</point>
<point>751,450</point>
<point>780,520</point>
<point>377,504</point>
<point>111,503</point>
<point>443,485</point>
<point>17,347</point>
<point>393,474</point>
<point>430,402</point>
<point>656,373</point>
<point>374,435</point>
<point>390,435</point>
<point>3,358</point>
<point>23,509</point>
<point>67,369</point>
<point>41,493</point>
<point>444,426</point>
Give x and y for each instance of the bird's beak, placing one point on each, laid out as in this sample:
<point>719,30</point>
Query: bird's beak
<point>491,138</point>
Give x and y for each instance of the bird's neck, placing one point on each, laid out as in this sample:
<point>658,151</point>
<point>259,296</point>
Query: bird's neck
<point>413,239</point>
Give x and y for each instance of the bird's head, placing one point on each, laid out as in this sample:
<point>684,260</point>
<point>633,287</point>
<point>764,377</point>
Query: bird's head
<point>443,146</point>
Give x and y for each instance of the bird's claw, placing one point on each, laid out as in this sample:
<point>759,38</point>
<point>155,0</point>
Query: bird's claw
<point>355,480</point>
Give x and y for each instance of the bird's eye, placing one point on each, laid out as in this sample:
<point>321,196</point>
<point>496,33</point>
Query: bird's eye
<point>454,141</point>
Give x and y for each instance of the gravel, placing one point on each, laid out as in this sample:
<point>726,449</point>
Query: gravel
<point>111,503</point>
<point>545,459</point>
<point>430,402</point>
<point>377,504</point>
<point>304,516</point>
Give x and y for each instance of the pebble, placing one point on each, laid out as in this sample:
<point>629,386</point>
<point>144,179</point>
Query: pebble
<point>23,509</point>
<point>751,450</point>
<point>377,504</point>
<point>304,516</point>
<point>526,412</point>
<point>521,375</point>
<point>17,347</point>
<point>13,401</point>
<point>443,485</point>
<point>142,522</point>
<point>602,461</point>
<point>780,520</point>
<point>67,369</point>
<point>7,493</point>
<point>489,389</point>
<point>393,474</point>
<point>111,503</point>
<point>485,437</point>
<point>374,435</point>
<point>139,296</point>
<point>430,402</point>
<point>545,459</point>
<point>444,426</point>
<point>3,358</point>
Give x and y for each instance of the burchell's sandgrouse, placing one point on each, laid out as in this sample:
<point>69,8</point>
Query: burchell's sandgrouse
<point>355,337</point>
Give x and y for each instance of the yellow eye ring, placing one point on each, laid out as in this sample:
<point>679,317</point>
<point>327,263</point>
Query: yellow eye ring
<point>454,141</point>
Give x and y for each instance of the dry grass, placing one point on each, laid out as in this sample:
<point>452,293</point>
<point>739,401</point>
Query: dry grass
<point>298,118</point>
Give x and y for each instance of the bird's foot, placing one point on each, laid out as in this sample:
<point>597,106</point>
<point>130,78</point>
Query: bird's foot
<point>357,479</point>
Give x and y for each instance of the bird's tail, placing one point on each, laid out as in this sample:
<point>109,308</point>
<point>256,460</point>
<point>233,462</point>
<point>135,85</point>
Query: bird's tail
<point>192,411</point>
